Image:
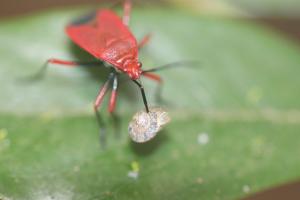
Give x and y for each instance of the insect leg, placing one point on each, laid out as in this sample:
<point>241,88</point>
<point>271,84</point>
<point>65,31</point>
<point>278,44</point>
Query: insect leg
<point>143,94</point>
<point>126,12</point>
<point>159,80</point>
<point>112,105</point>
<point>112,101</point>
<point>98,103</point>
<point>40,74</point>
<point>144,41</point>
<point>153,76</point>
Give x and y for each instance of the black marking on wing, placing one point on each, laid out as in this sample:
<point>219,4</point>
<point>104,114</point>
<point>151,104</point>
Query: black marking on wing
<point>84,19</point>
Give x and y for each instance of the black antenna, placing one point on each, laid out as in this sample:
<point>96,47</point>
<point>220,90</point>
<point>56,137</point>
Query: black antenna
<point>170,65</point>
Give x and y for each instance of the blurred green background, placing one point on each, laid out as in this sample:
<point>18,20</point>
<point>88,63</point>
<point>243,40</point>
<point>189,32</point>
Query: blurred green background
<point>235,115</point>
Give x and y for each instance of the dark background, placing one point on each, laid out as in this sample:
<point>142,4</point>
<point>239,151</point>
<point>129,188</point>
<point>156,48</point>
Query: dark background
<point>290,26</point>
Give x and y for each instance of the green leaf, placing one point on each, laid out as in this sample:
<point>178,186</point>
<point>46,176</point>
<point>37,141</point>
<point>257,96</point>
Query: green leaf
<point>288,8</point>
<point>235,114</point>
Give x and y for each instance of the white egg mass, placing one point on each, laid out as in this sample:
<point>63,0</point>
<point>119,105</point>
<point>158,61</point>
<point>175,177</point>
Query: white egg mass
<point>144,126</point>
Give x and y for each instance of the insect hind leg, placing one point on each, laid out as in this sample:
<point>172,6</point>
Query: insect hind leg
<point>42,71</point>
<point>126,11</point>
<point>97,104</point>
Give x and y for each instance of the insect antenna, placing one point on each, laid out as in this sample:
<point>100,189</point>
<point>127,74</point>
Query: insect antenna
<point>143,93</point>
<point>171,65</point>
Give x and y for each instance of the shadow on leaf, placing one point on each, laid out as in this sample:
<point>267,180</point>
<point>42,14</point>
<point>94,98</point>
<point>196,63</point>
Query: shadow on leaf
<point>148,148</point>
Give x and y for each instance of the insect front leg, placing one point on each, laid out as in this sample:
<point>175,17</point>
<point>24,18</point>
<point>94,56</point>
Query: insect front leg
<point>143,94</point>
<point>97,104</point>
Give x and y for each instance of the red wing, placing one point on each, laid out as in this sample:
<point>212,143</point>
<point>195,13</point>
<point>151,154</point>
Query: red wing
<point>105,37</point>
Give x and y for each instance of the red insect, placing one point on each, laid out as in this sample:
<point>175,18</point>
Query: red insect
<point>107,37</point>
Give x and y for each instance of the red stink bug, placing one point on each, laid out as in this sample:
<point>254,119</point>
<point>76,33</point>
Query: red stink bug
<point>107,37</point>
